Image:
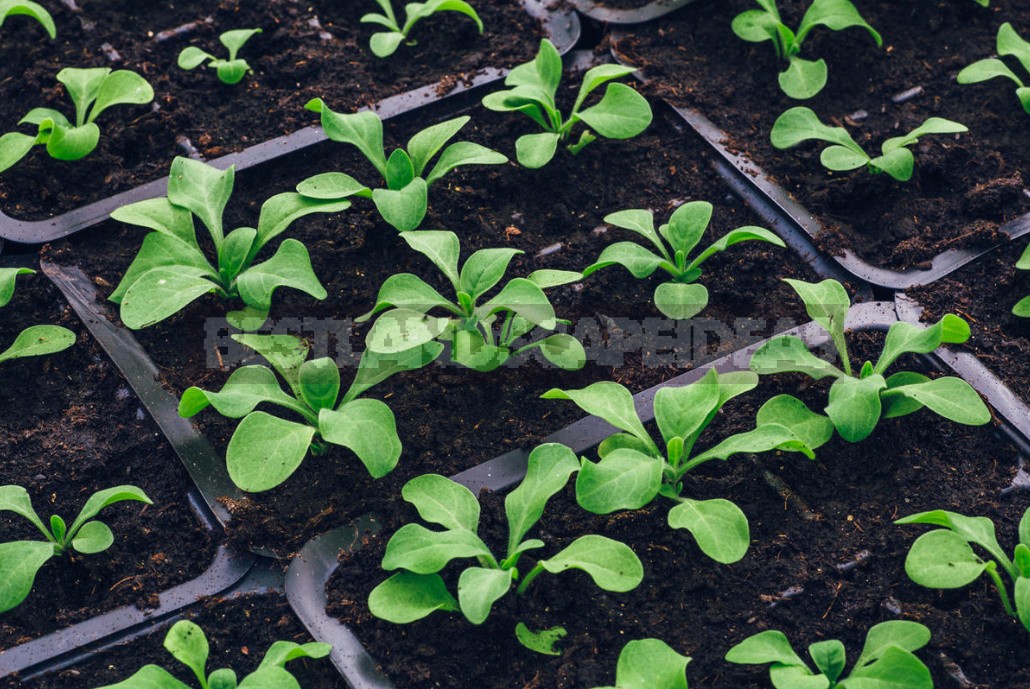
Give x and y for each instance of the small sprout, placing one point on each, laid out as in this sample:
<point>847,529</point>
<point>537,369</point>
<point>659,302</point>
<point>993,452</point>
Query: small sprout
<point>520,307</point>
<point>187,644</point>
<point>171,271</point>
<point>1009,44</point>
<point>35,340</point>
<point>801,124</point>
<point>21,560</point>
<point>681,297</point>
<point>887,659</point>
<point>650,663</point>
<point>230,71</point>
<point>385,43</point>
<point>27,8</point>
<point>404,201</point>
<point>418,590</point>
<point>92,91</point>
<point>633,470</point>
<point>1022,307</point>
<point>265,450</point>
<point>802,79</point>
<point>858,402</point>
<point>945,559</point>
<point>622,113</point>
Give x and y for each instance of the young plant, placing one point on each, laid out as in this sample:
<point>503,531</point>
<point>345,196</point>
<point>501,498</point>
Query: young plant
<point>404,200</point>
<point>385,43</point>
<point>622,113</point>
<point>633,470</point>
<point>230,71</point>
<point>36,340</point>
<point>887,659</point>
<point>92,91</point>
<point>800,124</point>
<point>187,644</point>
<point>858,402</point>
<point>265,450</point>
<point>803,78</point>
<point>171,270</point>
<point>27,8</point>
<point>1011,44</point>
<point>650,664</point>
<point>945,559</point>
<point>681,297</point>
<point>21,560</point>
<point>520,307</point>
<point>418,590</point>
<point>1022,307</point>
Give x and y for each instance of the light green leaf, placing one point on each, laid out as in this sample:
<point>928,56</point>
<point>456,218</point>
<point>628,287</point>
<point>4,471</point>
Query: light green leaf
<point>93,537</point>
<point>943,560</point>
<point>952,398</point>
<point>375,368</point>
<point>624,479</point>
<point>27,8</point>
<point>441,501</point>
<point>621,114</point>
<point>524,298</point>
<point>770,646</point>
<point>640,262</point>
<point>203,190</point>
<point>903,634</point>
<point>814,429</point>
<point>105,498</point>
<point>679,301</point>
<point>290,266</point>
<point>282,652</point>
<point>439,246</point>
<point>800,124</point>
<point>162,216</point>
<point>187,644</point>
<point>192,57</point>
<point>162,292</point>
<point>855,406</point>
<point>484,269</point>
<point>385,43</point>
<point>361,129</point>
<point>598,76</point>
<point>417,549</point>
<point>13,147</point>
<point>16,499</point>
<point>650,664</point>
<point>789,354</point>
<point>366,427</point>
<point>479,589</point>
<point>407,597</point>
<point>428,142</point>
<point>719,527</point>
<point>38,340</point>
<point>319,383</point>
<point>564,351</point>
<point>895,669</point>
<point>460,154</point>
<point>265,451</point>
<point>612,565</point>
<point>549,468</point>
<point>72,143</point>
<point>149,677</point>
<point>803,79</point>
<point>19,563</point>
<point>285,353</point>
<point>610,401</point>
<point>162,250</point>
<point>121,88</point>
<point>541,642</point>
<point>979,530</point>
<point>536,150</point>
<point>402,329</point>
<point>281,210</point>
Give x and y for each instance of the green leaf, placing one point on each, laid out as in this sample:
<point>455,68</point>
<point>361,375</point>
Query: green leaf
<point>402,329</point>
<point>762,439</point>
<point>12,8</point>
<point>679,301</point>
<point>685,412</point>
<point>903,338</point>
<point>161,250</point>
<point>404,209</point>
<point>895,669</point>
<point>285,353</point>
<point>983,70</point>
<point>281,210</point>
<point>13,147</point>
<point>7,280</point>
<point>621,114</point>
<point>1010,43</point>
<point>596,77</point>
<point>37,340</point>
<point>829,657</point>
<point>612,565</point>
<point>83,85</point>
<point>1022,600</point>
<point>331,186</point>
<point>640,262</point>
<point>439,246</point>
<point>149,677</point>
<point>406,291</point>
<point>979,530</point>
<point>756,26</point>
<point>534,151</point>
<point>943,560</point>
<point>105,498</point>
<point>484,269</point>
<point>1024,528</point>
<point>549,468</point>
<point>836,15</point>
<point>441,501</point>
<point>463,153</point>
<point>1022,308</point>
<point>564,351</point>
<point>899,163</point>
<point>203,190</point>
<point>187,644</point>
<point>609,401</point>
<point>16,499</point>
<point>234,40</point>
<point>121,88</point>
<point>417,549</point>
<point>789,354</point>
<point>803,79</point>
<point>363,130</point>
<point>650,664</point>
<point>232,71</point>
<point>162,292</point>
<point>855,407</point>
<point>407,597</point>
<point>541,642</point>
<point>908,636</point>
<point>719,527</point>
<point>624,479</point>
<point>72,143</point>
<point>375,368</point>
<point>479,589</point>
<point>544,71</point>
<point>19,562</point>
<point>428,142</point>
<point>290,266</point>
<point>282,652</point>
<point>265,451</point>
<point>814,429</point>
<point>524,298</point>
<point>842,159</point>
<point>546,278</point>
<point>232,255</point>
<point>160,215</point>
<point>192,57</point>
<point>827,303</point>
<point>687,225</point>
<point>366,427</point>
<point>950,397</point>
<point>400,170</point>
<point>770,646</point>
<point>797,677</point>
<point>319,383</point>
<point>385,43</point>
<point>639,221</point>
<point>800,124</point>
<point>93,537</point>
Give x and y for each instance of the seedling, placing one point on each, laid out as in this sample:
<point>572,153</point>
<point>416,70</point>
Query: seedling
<point>803,78</point>
<point>801,124</point>
<point>887,659</point>
<point>418,590</point>
<point>385,43</point>
<point>633,470</point>
<point>92,91</point>
<point>404,200</point>
<point>650,663</point>
<point>1009,43</point>
<point>27,8</point>
<point>171,271</point>
<point>230,71</point>
<point>622,113</point>
<point>520,307</point>
<point>265,450</point>
<point>1022,307</point>
<point>21,560</point>
<point>36,340</point>
<point>945,559</point>
<point>858,402</point>
<point>187,644</point>
<point>681,297</point>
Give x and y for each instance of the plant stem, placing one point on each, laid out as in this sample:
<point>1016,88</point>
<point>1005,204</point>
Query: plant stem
<point>992,572</point>
<point>533,573</point>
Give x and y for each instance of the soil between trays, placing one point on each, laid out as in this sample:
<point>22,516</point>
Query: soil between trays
<point>239,631</point>
<point>291,64</point>
<point>451,418</point>
<point>964,186</point>
<point>71,425</point>
<point>701,608</point>
<point>984,293</point>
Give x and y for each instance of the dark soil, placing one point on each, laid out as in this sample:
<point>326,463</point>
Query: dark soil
<point>72,426</point>
<point>239,631</point>
<point>840,510</point>
<point>964,187</point>
<point>452,418</point>
<point>292,64</point>
<point>984,293</point>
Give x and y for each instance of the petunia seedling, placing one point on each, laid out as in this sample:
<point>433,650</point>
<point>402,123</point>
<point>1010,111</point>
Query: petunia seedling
<point>385,43</point>
<point>420,554</point>
<point>21,560</point>
<point>634,470</point>
<point>887,659</point>
<point>944,558</point>
<point>406,171</point>
<point>1009,44</point>
<point>36,340</point>
<point>650,663</point>
<point>858,402</point>
<point>265,449</point>
<point>801,124</point>
<point>188,644</point>
<point>171,270</point>
<point>682,297</point>
<point>803,78</point>
<point>483,335</point>
<point>231,70</point>
<point>622,113</point>
<point>92,91</point>
<point>1022,307</point>
<point>27,8</point>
